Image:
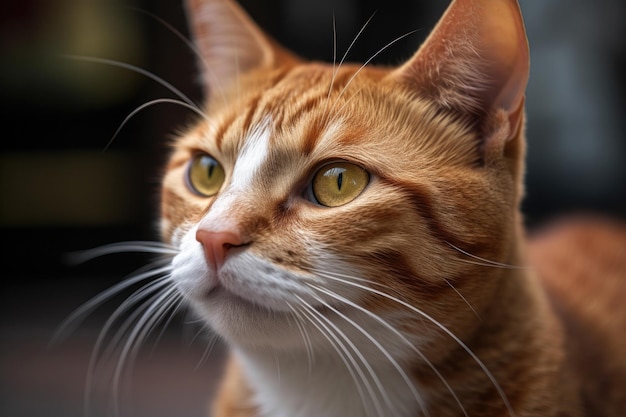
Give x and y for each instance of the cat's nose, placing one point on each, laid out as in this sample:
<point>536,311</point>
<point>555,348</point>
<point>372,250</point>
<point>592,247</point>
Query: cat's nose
<point>217,244</point>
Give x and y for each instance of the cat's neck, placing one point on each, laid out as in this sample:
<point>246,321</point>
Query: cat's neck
<point>518,339</point>
<point>296,385</point>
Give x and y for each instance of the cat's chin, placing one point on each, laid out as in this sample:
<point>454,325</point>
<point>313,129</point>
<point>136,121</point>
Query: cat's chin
<point>243,322</point>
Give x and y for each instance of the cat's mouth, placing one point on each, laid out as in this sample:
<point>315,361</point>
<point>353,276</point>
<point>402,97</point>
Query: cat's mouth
<point>239,299</point>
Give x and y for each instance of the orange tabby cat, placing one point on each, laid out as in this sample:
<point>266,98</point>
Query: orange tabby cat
<point>353,233</point>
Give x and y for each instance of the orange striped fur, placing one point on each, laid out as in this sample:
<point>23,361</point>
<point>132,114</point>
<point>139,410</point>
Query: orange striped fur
<point>415,298</point>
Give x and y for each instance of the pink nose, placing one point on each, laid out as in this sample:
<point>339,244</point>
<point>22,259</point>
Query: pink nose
<point>217,244</point>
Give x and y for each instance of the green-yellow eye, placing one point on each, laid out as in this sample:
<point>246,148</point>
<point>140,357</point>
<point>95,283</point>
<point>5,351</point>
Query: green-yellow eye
<point>205,175</point>
<point>338,183</point>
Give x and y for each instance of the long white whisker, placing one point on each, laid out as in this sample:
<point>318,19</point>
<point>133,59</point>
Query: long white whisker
<point>345,55</point>
<point>485,262</point>
<point>463,298</point>
<point>176,32</point>
<point>343,58</point>
<point>158,307</point>
<point>357,72</point>
<point>78,315</point>
<point>297,318</point>
<point>358,35</point>
<point>210,345</point>
<point>397,333</point>
<point>352,278</point>
<point>177,301</point>
<point>362,359</point>
<point>121,247</point>
<point>137,296</point>
<point>442,328</point>
<point>192,46</point>
<point>382,350</point>
<point>195,109</point>
<point>350,363</point>
<point>136,69</point>
<point>167,305</point>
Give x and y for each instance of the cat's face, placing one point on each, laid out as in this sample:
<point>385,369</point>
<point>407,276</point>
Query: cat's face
<point>323,192</point>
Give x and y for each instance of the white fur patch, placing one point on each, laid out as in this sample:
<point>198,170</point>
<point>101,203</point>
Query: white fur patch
<point>250,159</point>
<point>287,386</point>
<point>252,155</point>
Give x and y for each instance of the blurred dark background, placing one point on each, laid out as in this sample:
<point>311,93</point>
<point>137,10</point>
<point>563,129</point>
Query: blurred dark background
<point>61,192</point>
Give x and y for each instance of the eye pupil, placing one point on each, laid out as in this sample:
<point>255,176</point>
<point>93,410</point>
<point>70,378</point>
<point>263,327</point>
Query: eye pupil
<point>338,183</point>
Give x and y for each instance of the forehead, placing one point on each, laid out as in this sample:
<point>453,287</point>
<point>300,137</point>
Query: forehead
<point>298,105</point>
<point>314,112</point>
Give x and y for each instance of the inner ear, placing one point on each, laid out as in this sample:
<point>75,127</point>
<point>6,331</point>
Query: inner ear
<point>474,62</point>
<point>229,43</point>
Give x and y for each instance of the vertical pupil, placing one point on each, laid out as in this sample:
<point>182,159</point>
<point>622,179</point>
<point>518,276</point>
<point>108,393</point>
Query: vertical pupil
<point>210,170</point>
<point>339,180</point>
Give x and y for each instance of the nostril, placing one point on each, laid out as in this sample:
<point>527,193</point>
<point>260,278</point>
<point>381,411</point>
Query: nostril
<point>216,245</point>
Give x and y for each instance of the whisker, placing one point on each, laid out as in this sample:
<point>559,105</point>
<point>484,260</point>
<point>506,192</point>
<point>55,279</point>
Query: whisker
<point>398,334</point>
<point>165,305</point>
<point>463,298</point>
<point>210,345</point>
<point>444,329</point>
<point>192,47</point>
<point>350,363</point>
<point>349,99</point>
<point>157,248</point>
<point>153,314</point>
<point>350,277</point>
<point>195,109</point>
<point>485,262</point>
<point>345,55</point>
<point>362,359</point>
<point>179,301</point>
<point>343,58</point>
<point>81,313</point>
<point>127,305</point>
<point>135,69</point>
<point>366,63</point>
<point>132,300</point>
<point>384,351</point>
<point>297,318</point>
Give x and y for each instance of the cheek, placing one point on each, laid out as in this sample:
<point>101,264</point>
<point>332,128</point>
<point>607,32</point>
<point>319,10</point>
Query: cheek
<point>371,233</point>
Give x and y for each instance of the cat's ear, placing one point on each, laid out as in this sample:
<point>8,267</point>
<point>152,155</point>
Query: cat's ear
<point>229,43</point>
<point>475,61</point>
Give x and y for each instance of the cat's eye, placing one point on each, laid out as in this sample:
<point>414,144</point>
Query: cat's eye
<point>338,183</point>
<point>205,175</point>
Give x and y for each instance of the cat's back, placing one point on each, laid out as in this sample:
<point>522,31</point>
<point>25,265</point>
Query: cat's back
<point>582,264</point>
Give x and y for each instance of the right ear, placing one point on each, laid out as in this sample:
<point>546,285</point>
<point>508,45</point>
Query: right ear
<point>230,43</point>
<point>475,61</point>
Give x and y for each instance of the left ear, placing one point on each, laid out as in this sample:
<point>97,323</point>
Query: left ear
<point>230,44</point>
<point>475,61</point>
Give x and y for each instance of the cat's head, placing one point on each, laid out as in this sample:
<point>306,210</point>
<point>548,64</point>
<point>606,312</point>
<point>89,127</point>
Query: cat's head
<point>311,190</point>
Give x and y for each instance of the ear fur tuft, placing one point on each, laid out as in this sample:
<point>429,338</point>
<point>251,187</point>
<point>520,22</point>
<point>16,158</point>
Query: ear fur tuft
<point>475,61</point>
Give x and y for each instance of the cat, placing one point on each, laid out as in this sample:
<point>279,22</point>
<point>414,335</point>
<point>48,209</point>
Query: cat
<point>353,233</point>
